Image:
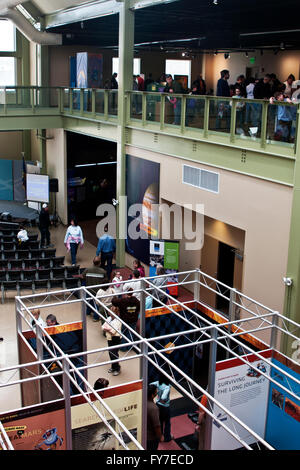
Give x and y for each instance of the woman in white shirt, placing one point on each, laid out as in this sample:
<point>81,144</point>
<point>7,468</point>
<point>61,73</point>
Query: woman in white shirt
<point>289,85</point>
<point>73,239</point>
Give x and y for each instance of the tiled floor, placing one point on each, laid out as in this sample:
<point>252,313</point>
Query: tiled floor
<point>10,396</point>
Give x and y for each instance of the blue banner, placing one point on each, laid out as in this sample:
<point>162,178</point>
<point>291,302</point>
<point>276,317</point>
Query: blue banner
<point>283,421</point>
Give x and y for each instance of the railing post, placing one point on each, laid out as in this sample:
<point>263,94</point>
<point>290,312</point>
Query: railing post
<point>233,120</point>
<point>67,398</point>
<point>162,111</point>
<point>197,286</point>
<point>60,99</point>
<point>264,120</point>
<point>93,102</point>
<point>5,101</point>
<point>71,100</point>
<point>274,331</point>
<point>32,99</point>
<point>106,104</point>
<point>81,100</point>
<point>183,112</point>
<point>206,117</point>
<point>144,109</point>
<point>211,386</point>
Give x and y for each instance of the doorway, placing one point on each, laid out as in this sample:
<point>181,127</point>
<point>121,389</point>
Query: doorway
<point>225,274</point>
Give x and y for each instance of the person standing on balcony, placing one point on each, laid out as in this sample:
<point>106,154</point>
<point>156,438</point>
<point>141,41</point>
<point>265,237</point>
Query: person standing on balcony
<point>262,89</point>
<point>288,91</point>
<point>113,82</point>
<point>114,86</point>
<point>174,87</point>
<point>223,108</point>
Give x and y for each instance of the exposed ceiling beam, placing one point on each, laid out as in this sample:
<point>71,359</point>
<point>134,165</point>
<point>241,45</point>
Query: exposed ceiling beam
<point>83,12</point>
<point>137,4</point>
<point>96,9</point>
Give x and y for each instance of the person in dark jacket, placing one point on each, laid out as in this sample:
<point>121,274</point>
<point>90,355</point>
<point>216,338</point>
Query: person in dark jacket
<point>222,85</point>
<point>200,85</point>
<point>241,84</point>
<point>174,87</point>
<point>262,89</point>
<point>223,109</point>
<point>44,224</point>
<point>113,81</point>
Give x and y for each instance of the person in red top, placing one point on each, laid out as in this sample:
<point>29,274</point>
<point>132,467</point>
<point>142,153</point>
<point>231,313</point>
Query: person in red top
<point>200,428</point>
<point>141,83</point>
<point>137,265</point>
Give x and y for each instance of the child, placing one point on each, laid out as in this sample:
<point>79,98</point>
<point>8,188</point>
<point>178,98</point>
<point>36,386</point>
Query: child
<point>137,265</point>
<point>118,288</point>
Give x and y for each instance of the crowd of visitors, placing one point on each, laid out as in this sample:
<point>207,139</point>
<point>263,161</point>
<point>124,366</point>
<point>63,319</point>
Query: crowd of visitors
<point>248,115</point>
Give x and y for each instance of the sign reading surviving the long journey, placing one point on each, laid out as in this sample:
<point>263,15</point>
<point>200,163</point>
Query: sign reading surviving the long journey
<point>244,392</point>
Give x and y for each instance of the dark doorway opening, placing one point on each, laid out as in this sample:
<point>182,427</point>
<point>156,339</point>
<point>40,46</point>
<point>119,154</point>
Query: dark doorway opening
<point>225,274</point>
<point>91,169</point>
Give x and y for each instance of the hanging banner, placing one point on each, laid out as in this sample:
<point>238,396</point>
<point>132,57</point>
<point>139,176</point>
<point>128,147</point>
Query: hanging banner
<point>142,188</point>
<point>283,423</point>
<point>244,392</point>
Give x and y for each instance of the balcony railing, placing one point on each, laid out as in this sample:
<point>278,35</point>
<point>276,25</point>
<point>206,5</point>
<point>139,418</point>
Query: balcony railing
<point>232,120</point>
<point>94,103</point>
<point>249,123</point>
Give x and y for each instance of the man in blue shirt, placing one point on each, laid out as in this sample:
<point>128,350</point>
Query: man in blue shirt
<point>106,249</point>
<point>284,118</point>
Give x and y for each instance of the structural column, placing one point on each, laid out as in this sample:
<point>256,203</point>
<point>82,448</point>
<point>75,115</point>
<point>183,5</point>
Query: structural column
<point>126,46</point>
<point>292,292</point>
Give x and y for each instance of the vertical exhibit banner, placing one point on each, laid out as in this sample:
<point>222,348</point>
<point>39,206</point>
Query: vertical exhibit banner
<point>244,392</point>
<point>142,187</point>
<point>283,423</point>
<point>171,265</point>
<point>166,254</point>
<point>157,252</point>
<point>88,430</point>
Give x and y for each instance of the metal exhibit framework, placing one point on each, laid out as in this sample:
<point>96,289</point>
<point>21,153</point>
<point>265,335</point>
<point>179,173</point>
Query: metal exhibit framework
<point>245,316</point>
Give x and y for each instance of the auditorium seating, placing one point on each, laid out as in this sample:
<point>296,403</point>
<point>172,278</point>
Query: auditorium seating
<point>34,278</point>
<point>31,267</point>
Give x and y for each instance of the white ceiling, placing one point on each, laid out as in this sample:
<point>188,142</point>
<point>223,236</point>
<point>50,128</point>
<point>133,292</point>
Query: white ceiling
<point>50,6</point>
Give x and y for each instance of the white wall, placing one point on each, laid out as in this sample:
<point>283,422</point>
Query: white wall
<point>57,168</point>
